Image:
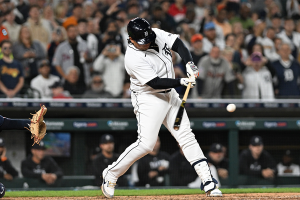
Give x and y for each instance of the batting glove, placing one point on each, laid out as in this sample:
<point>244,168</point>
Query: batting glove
<point>186,81</point>
<point>191,69</point>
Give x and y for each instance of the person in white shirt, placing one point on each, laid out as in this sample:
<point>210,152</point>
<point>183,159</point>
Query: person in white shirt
<point>211,38</point>
<point>286,167</point>
<point>257,79</point>
<point>12,27</point>
<point>289,36</point>
<point>268,44</point>
<point>42,81</point>
<point>110,63</point>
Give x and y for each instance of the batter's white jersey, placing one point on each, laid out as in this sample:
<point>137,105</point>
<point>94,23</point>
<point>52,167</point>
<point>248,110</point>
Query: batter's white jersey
<point>143,66</point>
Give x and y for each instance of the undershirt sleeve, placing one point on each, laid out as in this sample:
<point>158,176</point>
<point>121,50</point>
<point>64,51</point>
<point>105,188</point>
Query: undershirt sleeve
<point>164,83</point>
<point>182,50</point>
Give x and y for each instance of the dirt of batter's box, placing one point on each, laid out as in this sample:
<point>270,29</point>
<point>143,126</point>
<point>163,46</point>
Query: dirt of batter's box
<point>251,196</point>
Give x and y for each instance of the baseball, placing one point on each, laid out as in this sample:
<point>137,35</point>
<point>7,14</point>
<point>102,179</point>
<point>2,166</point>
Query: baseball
<point>231,107</point>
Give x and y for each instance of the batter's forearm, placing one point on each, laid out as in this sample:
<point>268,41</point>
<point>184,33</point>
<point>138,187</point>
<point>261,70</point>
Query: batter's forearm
<point>164,83</point>
<point>182,50</point>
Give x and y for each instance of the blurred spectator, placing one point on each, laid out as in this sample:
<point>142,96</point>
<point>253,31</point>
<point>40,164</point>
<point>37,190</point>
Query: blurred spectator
<point>210,38</point>
<point>7,171</point>
<point>88,9</point>
<point>111,64</point>
<point>237,28</point>
<point>39,166</point>
<point>217,158</point>
<point>105,158</point>
<point>197,48</point>
<point>276,23</point>
<point>181,171</point>
<point>58,91</point>
<point>89,38</point>
<point>12,27</point>
<point>244,17</point>
<point>11,77</point>
<point>40,28</point>
<point>42,82</point>
<point>90,162</point>
<point>59,35</point>
<point>287,73</point>
<point>72,83</point>
<point>48,15</point>
<point>268,44</point>
<point>165,5</point>
<point>200,10</point>
<point>111,35</point>
<point>126,90</point>
<point>178,10</point>
<point>257,79</point>
<point>3,30</point>
<point>292,9</point>
<point>29,53</point>
<point>97,89</point>
<point>221,20</point>
<point>158,16</point>
<point>24,7</point>
<point>289,36</point>
<point>239,46</point>
<point>214,72</point>
<point>153,167</point>
<point>255,161</point>
<point>60,14</point>
<point>73,53</point>
<point>76,15</point>
<point>286,167</point>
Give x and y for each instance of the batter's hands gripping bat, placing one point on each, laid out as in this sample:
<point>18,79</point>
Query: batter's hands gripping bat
<point>181,108</point>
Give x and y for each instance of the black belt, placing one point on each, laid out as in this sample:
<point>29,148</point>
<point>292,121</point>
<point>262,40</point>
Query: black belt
<point>166,91</point>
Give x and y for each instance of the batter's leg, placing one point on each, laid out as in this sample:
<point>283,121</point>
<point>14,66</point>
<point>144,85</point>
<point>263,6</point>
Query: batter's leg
<point>150,112</point>
<point>188,143</point>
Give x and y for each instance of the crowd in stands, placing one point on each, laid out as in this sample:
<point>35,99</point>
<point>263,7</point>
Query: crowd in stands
<point>75,48</point>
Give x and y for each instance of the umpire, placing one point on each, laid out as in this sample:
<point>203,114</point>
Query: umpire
<point>105,158</point>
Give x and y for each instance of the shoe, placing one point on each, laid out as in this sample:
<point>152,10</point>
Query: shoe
<point>108,188</point>
<point>214,193</point>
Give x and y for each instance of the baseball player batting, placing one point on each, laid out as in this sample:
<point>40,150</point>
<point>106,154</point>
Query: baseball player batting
<point>148,61</point>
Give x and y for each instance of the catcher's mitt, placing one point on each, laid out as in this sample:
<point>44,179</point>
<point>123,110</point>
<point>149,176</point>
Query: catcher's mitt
<point>37,126</point>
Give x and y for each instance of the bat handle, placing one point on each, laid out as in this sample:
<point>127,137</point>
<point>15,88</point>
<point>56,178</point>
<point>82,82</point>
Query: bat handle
<point>187,92</point>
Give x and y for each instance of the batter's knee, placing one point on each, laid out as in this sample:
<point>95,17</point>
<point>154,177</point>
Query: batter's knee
<point>147,148</point>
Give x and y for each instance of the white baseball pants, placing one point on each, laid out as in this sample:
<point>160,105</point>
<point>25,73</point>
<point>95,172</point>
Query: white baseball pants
<point>151,111</point>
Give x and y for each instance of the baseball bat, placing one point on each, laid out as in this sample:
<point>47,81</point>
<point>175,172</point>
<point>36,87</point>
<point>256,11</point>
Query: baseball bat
<point>181,108</point>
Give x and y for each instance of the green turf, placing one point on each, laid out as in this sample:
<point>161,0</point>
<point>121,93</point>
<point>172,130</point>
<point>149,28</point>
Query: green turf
<point>147,192</point>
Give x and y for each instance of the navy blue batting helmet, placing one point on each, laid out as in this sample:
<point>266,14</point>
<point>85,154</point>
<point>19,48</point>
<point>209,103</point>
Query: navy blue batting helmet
<point>2,190</point>
<point>140,31</point>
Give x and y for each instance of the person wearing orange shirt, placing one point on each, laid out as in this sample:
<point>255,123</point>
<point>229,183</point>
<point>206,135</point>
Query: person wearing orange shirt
<point>221,21</point>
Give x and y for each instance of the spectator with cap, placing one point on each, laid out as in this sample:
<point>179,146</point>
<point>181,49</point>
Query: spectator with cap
<point>286,167</point>
<point>105,158</point>
<point>287,72</point>
<point>76,15</point>
<point>11,72</point>
<point>58,91</point>
<point>256,161</point>
<point>197,48</point>
<point>12,27</point>
<point>97,89</point>
<point>211,38</point>
<point>221,19</point>
<point>41,167</point>
<point>215,71</point>
<point>42,82</point>
<point>257,79</point>
<point>73,53</point>
<point>7,171</point>
<point>217,158</point>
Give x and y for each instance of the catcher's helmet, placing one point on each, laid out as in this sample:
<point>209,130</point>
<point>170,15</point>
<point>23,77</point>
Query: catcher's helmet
<point>140,31</point>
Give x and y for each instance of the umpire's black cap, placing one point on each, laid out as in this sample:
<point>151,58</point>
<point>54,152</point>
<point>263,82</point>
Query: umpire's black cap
<point>106,138</point>
<point>256,141</point>
<point>140,31</point>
